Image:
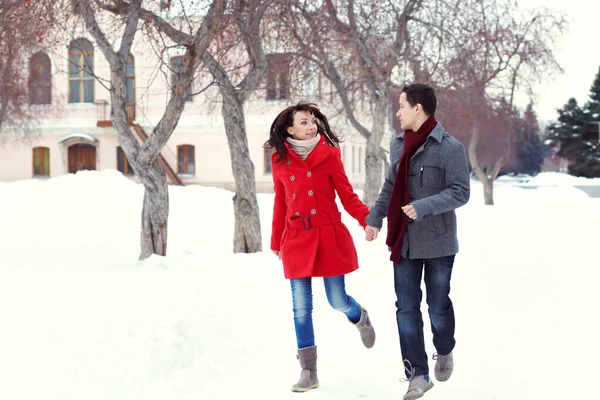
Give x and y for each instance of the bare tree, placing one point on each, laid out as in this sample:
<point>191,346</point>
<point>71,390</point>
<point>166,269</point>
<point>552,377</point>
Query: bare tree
<point>144,157</point>
<point>23,25</point>
<point>235,86</point>
<point>496,51</point>
<point>248,16</point>
<point>357,45</point>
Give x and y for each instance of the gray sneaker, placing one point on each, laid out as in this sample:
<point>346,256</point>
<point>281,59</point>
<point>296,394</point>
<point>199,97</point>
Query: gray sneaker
<point>443,366</point>
<point>417,385</point>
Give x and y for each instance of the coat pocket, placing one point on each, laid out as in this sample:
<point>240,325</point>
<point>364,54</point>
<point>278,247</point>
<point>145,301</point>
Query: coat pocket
<point>439,223</point>
<point>431,173</point>
<point>431,177</point>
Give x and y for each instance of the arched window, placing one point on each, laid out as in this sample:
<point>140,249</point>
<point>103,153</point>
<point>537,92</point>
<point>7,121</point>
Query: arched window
<point>81,71</point>
<point>41,161</point>
<point>40,79</point>
<point>278,76</point>
<point>186,162</point>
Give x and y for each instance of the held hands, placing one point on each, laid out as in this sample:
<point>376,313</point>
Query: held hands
<point>410,211</point>
<point>371,233</point>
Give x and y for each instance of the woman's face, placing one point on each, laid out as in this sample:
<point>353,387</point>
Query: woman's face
<point>305,126</point>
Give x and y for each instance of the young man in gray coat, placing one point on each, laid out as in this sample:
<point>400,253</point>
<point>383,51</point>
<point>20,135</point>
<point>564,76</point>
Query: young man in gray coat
<point>428,179</point>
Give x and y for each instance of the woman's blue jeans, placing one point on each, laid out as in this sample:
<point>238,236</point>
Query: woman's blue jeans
<point>303,306</point>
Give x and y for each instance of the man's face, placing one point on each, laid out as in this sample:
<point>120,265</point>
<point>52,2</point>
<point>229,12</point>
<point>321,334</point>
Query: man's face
<point>406,113</point>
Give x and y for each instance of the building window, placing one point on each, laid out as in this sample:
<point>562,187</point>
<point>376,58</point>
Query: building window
<point>176,63</point>
<point>40,79</point>
<point>81,71</point>
<point>130,83</point>
<point>278,76</point>
<point>123,163</point>
<point>267,160</point>
<point>186,160</point>
<point>130,89</point>
<point>41,161</point>
<point>360,160</point>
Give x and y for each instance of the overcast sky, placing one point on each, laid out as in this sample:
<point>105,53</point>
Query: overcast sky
<point>578,54</point>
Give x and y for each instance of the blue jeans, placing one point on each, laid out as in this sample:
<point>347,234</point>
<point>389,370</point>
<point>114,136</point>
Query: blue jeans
<point>407,282</point>
<point>303,306</point>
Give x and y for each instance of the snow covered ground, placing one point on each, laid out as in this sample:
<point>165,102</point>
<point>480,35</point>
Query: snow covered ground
<point>82,319</point>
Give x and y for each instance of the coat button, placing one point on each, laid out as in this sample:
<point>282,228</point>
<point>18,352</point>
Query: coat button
<point>296,214</point>
<point>288,162</point>
<point>313,211</point>
<point>309,174</point>
<point>294,196</point>
<point>292,178</point>
<point>310,193</point>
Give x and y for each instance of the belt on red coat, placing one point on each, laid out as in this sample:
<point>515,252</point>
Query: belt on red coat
<point>313,221</point>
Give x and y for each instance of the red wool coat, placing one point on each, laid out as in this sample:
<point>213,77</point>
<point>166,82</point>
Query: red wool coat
<point>307,227</point>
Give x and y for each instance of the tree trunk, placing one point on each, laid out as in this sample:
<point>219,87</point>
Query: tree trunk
<point>247,236</point>
<point>144,158</point>
<point>155,211</point>
<point>488,192</point>
<point>488,184</point>
<point>373,159</point>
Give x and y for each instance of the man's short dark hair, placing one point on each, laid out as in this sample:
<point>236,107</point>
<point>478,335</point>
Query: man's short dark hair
<point>420,93</point>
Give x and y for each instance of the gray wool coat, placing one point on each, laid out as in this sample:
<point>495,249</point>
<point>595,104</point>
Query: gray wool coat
<point>438,184</point>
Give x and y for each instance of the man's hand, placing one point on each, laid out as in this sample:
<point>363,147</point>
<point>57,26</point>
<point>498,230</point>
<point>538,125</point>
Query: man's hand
<point>277,253</point>
<point>371,233</point>
<point>410,211</point>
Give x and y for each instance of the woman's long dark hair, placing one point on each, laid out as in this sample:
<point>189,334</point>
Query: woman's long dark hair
<point>285,119</point>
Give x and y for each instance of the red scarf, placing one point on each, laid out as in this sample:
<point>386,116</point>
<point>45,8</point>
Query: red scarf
<point>396,218</point>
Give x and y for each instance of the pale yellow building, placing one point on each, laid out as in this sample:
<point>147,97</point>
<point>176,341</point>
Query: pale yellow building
<point>75,132</point>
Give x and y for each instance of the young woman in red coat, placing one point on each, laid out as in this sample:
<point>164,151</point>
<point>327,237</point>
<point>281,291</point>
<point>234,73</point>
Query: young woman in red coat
<point>308,234</point>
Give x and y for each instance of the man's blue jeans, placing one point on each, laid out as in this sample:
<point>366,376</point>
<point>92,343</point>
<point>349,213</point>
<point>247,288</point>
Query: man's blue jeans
<point>407,282</point>
<point>303,306</point>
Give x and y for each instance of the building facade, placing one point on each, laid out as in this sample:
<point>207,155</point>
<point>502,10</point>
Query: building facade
<point>75,132</point>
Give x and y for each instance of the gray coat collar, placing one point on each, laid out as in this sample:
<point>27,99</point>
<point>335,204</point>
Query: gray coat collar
<point>437,133</point>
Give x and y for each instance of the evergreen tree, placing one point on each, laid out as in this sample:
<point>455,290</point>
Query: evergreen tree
<point>531,150</point>
<point>568,133</point>
<point>592,107</point>
<point>592,114</point>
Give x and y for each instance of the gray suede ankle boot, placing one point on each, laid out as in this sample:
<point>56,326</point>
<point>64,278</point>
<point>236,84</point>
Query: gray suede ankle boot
<point>308,376</point>
<point>367,332</point>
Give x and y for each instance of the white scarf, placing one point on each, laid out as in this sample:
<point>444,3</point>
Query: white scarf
<point>304,147</point>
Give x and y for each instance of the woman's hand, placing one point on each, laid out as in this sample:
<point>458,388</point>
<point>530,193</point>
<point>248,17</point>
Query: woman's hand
<point>371,233</point>
<point>277,253</point>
